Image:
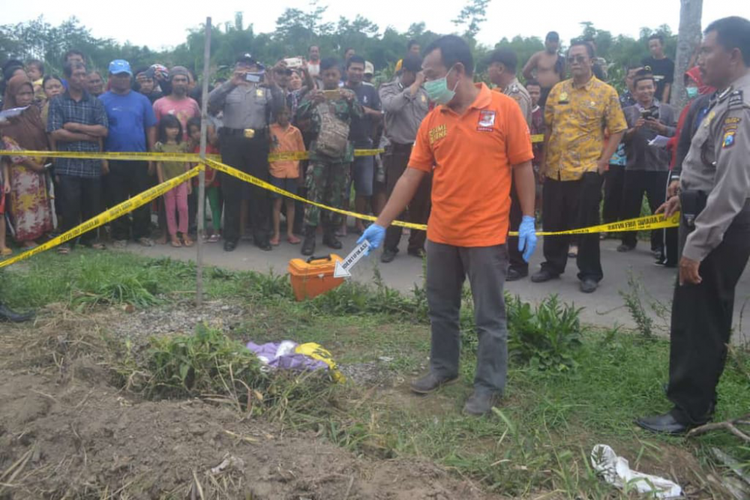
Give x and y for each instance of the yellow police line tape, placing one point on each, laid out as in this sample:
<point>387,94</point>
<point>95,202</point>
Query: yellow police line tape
<point>186,157</point>
<point>637,224</point>
<point>106,216</point>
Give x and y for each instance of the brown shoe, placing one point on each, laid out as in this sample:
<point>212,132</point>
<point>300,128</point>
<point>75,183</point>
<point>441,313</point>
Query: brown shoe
<point>431,383</point>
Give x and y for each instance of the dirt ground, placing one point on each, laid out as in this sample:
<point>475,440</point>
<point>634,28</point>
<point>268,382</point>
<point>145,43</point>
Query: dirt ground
<point>67,432</point>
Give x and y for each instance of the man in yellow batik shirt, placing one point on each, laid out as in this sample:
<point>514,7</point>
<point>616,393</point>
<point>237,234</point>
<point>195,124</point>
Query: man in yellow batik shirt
<point>577,113</point>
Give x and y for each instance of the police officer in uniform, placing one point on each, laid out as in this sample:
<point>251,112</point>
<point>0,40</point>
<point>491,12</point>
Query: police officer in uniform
<point>248,105</point>
<point>714,199</point>
<point>502,72</point>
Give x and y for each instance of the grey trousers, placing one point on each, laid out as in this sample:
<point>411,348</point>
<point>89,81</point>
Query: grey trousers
<point>486,267</point>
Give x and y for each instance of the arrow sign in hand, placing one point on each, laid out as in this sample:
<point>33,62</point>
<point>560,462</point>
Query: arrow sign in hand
<point>342,267</point>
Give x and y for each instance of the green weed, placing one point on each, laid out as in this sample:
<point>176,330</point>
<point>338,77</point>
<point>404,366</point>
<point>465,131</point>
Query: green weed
<point>547,337</point>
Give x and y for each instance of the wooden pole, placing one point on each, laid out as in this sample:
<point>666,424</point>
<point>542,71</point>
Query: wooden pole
<point>202,175</point>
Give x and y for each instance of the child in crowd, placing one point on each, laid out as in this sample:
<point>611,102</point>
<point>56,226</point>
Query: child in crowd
<point>176,200</point>
<point>285,174</point>
<point>35,72</point>
<point>213,194</point>
<point>5,183</point>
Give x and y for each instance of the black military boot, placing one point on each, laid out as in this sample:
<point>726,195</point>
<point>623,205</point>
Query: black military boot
<point>308,245</point>
<point>330,239</point>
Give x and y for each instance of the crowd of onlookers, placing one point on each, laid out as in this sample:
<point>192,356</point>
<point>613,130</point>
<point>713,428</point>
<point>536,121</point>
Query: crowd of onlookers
<point>321,105</point>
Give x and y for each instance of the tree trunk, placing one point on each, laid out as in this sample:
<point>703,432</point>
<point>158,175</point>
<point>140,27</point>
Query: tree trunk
<point>689,38</point>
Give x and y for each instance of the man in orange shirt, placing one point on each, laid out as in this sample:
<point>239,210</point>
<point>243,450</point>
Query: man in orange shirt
<point>474,142</point>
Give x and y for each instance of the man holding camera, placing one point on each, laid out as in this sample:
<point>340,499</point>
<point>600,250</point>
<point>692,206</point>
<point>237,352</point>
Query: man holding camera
<point>248,102</point>
<point>647,167</point>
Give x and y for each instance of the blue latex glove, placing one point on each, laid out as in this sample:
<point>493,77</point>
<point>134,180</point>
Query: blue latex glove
<point>527,237</point>
<point>374,235</point>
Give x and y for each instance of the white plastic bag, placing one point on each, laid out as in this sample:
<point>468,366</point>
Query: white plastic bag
<point>616,471</point>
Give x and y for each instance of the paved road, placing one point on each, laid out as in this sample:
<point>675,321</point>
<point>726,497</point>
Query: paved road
<point>605,307</point>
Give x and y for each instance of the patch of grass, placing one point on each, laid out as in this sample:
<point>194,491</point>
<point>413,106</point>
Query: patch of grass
<point>547,337</point>
<point>548,422</point>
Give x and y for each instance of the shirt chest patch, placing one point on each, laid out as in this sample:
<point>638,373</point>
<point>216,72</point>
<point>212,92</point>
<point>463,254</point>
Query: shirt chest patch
<point>486,121</point>
<point>259,93</point>
<point>437,133</point>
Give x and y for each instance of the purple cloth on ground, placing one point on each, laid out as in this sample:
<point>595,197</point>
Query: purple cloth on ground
<point>269,353</point>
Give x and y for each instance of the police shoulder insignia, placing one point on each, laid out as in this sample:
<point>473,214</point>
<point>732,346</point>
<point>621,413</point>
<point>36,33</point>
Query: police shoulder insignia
<point>729,139</point>
<point>736,100</point>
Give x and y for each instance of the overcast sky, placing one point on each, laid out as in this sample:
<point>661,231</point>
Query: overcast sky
<point>164,23</point>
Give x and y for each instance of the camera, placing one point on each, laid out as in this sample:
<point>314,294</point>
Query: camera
<point>254,77</point>
<point>651,113</point>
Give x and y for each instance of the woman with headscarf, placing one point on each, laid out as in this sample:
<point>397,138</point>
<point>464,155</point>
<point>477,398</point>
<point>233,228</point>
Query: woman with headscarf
<point>29,201</point>
<point>699,95</point>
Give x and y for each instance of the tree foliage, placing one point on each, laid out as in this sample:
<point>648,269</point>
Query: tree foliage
<point>295,31</point>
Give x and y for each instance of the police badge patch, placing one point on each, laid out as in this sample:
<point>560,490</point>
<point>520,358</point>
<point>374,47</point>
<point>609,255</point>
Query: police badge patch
<point>728,140</point>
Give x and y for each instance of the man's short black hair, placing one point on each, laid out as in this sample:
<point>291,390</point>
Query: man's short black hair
<point>453,50</point>
<point>412,63</point>
<point>73,52</point>
<point>583,43</point>
<point>506,57</point>
<point>36,63</point>
<point>411,44</point>
<point>553,36</point>
<point>641,75</point>
<point>355,59</point>
<point>657,36</point>
<point>328,63</point>
<point>69,67</point>
<point>533,83</point>
<point>733,33</point>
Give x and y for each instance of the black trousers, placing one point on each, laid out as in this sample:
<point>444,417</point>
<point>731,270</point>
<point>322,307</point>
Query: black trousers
<point>572,205</point>
<point>614,179</point>
<point>702,323</point>
<point>396,161</point>
<point>249,156</point>
<point>638,182</point>
<point>125,180</point>
<point>80,202</point>
<point>515,256</point>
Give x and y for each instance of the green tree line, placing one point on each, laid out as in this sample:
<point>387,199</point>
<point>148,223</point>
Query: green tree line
<point>295,31</point>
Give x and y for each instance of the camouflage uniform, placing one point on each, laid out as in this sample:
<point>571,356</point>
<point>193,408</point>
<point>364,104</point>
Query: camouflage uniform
<point>328,178</point>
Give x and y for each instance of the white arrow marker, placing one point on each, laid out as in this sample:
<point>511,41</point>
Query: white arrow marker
<point>342,267</point>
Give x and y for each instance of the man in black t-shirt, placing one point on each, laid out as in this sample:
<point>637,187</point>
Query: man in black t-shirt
<point>361,132</point>
<point>661,66</point>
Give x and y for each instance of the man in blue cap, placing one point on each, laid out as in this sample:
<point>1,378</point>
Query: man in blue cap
<point>132,128</point>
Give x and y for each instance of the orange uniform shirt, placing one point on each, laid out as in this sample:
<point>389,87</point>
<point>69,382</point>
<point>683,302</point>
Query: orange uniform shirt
<point>471,157</point>
<point>286,140</point>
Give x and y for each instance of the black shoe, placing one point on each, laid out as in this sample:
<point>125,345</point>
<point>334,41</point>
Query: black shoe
<point>515,274</point>
<point>663,424</point>
<point>419,253</point>
<point>481,403</point>
<point>388,256</point>
<point>543,276</point>
<point>625,248</point>
<point>431,383</point>
<point>230,245</point>
<point>264,245</point>
<point>11,316</point>
<point>331,241</point>
<point>589,286</point>
<point>308,245</point>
